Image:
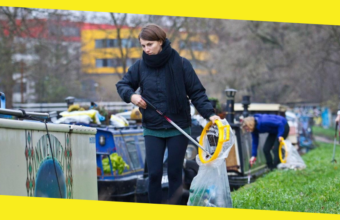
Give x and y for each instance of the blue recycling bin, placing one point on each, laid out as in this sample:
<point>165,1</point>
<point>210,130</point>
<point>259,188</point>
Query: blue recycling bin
<point>3,105</point>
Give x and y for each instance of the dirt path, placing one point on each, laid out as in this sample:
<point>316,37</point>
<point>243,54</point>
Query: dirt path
<point>323,139</point>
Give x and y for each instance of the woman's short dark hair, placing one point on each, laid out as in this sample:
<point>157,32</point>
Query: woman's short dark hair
<point>152,32</point>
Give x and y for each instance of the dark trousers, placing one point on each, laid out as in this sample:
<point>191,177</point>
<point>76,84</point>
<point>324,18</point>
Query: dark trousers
<point>272,140</point>
<point>155,148</point>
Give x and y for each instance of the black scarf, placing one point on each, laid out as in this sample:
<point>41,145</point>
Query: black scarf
<point>174,75</point>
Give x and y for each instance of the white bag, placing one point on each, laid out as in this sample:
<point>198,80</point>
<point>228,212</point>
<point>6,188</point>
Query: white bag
<point>74,119</point>
<point>92,113</point>
<point>294,160</point>
<point>118,121</point>
<point>210,187</point>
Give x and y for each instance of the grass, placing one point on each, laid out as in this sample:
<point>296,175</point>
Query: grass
<point>324,132</point>
<point>316,189</point>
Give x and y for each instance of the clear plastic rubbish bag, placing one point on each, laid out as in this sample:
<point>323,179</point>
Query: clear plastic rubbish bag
<point>92,113</point>
<point>210,187</point>
<point>293,160</point>
<point>118,121</point>
<point>74,119</point>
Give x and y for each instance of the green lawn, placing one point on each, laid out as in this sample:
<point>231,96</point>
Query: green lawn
<point>324,132</point>
<point>316,189</point>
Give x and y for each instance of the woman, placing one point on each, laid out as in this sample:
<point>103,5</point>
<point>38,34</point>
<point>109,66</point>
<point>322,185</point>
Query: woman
<point>168,81</point>
<point>337,119</point>
<point>278,129</point>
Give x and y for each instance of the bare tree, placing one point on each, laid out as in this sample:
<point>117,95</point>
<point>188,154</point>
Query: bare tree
<point>57,71</point>
<point>265,59</point>
<point>37,45</point>
<point>120,21</point>
<point>13,26</point>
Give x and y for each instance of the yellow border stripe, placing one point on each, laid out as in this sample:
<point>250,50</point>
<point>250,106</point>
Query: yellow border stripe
<point>327,12</point>
<point>290,11</point>
<point>13,207</point>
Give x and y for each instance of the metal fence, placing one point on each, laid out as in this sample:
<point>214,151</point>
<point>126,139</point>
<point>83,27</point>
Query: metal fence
<point>58,107</point>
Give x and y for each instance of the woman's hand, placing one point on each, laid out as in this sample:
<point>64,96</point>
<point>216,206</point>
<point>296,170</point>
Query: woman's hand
<point>252,160</point>
<point>137,100</point>
<point>337,118</point>
<point>214,118</point>
<point>280,139</point>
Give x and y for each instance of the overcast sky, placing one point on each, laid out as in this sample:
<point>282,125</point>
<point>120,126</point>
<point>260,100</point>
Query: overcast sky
<point>96,17</point>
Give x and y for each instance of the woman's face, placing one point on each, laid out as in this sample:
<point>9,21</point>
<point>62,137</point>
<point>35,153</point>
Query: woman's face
<point>151,47</point>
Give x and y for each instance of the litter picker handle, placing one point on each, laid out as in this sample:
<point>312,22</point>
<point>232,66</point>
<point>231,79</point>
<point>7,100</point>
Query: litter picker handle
<point>249,173</point>
<point>152,106</point>
<point>149,103</point>
<point>336,128</point>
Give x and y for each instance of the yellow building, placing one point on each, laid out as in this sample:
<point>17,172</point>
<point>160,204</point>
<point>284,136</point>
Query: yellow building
<point>103,58</point>
<point>103,55</point>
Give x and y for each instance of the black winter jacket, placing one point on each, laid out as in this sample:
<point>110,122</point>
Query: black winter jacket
<point>152,82</point>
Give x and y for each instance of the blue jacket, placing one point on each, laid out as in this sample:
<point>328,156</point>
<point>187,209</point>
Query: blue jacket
<point>272,124</point>
<point>153,82</point>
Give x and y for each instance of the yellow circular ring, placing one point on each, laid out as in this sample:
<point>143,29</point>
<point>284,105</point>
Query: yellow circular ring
<point>221,140</point>
<point>280,152</point>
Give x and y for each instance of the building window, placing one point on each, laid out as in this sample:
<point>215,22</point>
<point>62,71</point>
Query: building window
<point>105,43</point>
<point>99,63</point>
<point>110,43</point>
<point>99,44</point>
<point>129,43</point>
<point>104,63</point>
<point>135,42</point>
<point>116,62</point>
<point>119,62</point>
<point>125,43</point>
